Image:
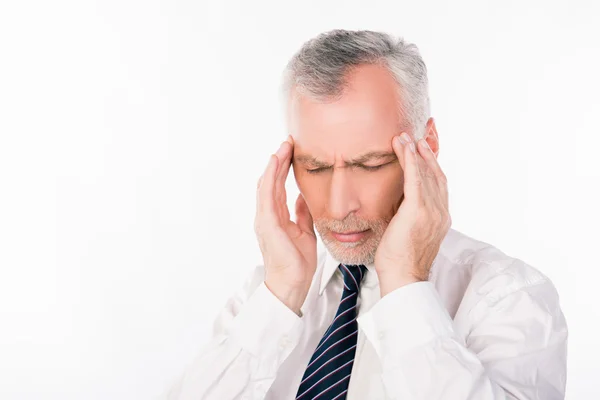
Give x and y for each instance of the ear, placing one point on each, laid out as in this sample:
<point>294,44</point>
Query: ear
<point>431,136</point>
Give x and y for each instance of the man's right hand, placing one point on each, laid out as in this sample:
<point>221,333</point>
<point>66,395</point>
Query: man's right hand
<point>289,248</point>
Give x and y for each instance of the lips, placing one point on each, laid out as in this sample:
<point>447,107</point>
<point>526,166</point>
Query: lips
<point>349,236</point>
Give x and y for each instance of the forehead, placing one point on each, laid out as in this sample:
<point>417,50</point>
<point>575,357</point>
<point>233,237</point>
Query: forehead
<point>364,118</point>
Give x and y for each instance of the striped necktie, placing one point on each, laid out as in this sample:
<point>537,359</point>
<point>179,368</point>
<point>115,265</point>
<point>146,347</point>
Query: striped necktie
<point>328,372</point>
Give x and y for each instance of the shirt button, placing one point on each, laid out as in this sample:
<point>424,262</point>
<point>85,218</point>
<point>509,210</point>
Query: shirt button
<point>381,335</point>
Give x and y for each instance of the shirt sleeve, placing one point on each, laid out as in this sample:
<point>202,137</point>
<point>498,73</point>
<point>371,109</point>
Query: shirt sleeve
<point>514,347</point>
<point>252,336</point>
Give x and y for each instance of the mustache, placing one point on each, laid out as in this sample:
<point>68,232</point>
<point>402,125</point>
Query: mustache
<point>350,224</point>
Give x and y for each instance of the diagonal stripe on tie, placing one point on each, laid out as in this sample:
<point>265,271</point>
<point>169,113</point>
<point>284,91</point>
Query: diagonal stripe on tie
<point>328,372</point>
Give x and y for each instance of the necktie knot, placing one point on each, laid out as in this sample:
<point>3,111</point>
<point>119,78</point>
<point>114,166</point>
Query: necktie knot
<point>353,275</point>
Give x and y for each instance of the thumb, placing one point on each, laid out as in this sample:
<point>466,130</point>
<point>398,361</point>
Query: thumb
<point>303,217</point>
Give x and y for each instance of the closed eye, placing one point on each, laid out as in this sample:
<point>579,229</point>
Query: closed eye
<point>364,167</point>
<point>316,171</point>
<point>374,168</point>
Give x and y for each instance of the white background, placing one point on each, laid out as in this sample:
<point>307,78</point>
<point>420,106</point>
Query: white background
<point>132,134</point>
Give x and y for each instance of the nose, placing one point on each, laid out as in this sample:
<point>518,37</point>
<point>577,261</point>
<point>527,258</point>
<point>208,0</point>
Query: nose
<point>343,198</point>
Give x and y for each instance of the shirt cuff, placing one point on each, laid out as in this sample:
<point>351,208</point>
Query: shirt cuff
<point>405,318</point>
<point>265,325</point>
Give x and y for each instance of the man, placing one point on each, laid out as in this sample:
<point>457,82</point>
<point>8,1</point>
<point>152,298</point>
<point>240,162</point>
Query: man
<point>396,305</point>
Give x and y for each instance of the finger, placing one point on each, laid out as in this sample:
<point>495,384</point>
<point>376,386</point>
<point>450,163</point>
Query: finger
<point>435,178</point>
<point>265,199</point>
<point>398,146</point>
<point>431,160</point>
<point>413,180</point>
<point>303,216</point>
<point>284,154</point>
<point>285,157</point>
<point>402,147</point>
<point>439,178</point>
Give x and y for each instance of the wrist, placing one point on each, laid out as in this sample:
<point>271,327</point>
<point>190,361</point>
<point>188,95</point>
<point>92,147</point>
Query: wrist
<point>293,298</point>
<point>390,280</point>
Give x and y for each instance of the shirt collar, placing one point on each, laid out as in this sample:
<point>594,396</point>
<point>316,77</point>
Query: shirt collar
<point>331,266</point>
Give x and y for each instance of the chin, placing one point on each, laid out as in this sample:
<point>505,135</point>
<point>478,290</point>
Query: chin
<point>354,253</point>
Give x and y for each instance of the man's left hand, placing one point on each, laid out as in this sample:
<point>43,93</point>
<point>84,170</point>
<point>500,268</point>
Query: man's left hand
<point>414,235</point>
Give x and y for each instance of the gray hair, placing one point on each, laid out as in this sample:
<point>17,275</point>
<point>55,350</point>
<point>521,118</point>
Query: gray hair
<point>319,67</point>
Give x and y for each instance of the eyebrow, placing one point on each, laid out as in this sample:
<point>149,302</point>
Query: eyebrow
<point>360,160</point>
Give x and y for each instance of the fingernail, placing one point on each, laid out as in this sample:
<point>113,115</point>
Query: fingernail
<point>399,140</point>
<point>406,137</point>
<point>412,147</point>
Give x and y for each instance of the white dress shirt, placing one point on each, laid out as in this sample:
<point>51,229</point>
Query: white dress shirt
<point>484,326</point>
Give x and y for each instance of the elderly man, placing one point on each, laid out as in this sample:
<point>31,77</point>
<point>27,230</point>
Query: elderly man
<point>396,304</point>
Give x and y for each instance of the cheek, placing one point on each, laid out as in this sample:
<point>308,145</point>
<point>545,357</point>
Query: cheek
<point>301,182</point>
<point>381,191</point>
<point>313,191</point>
